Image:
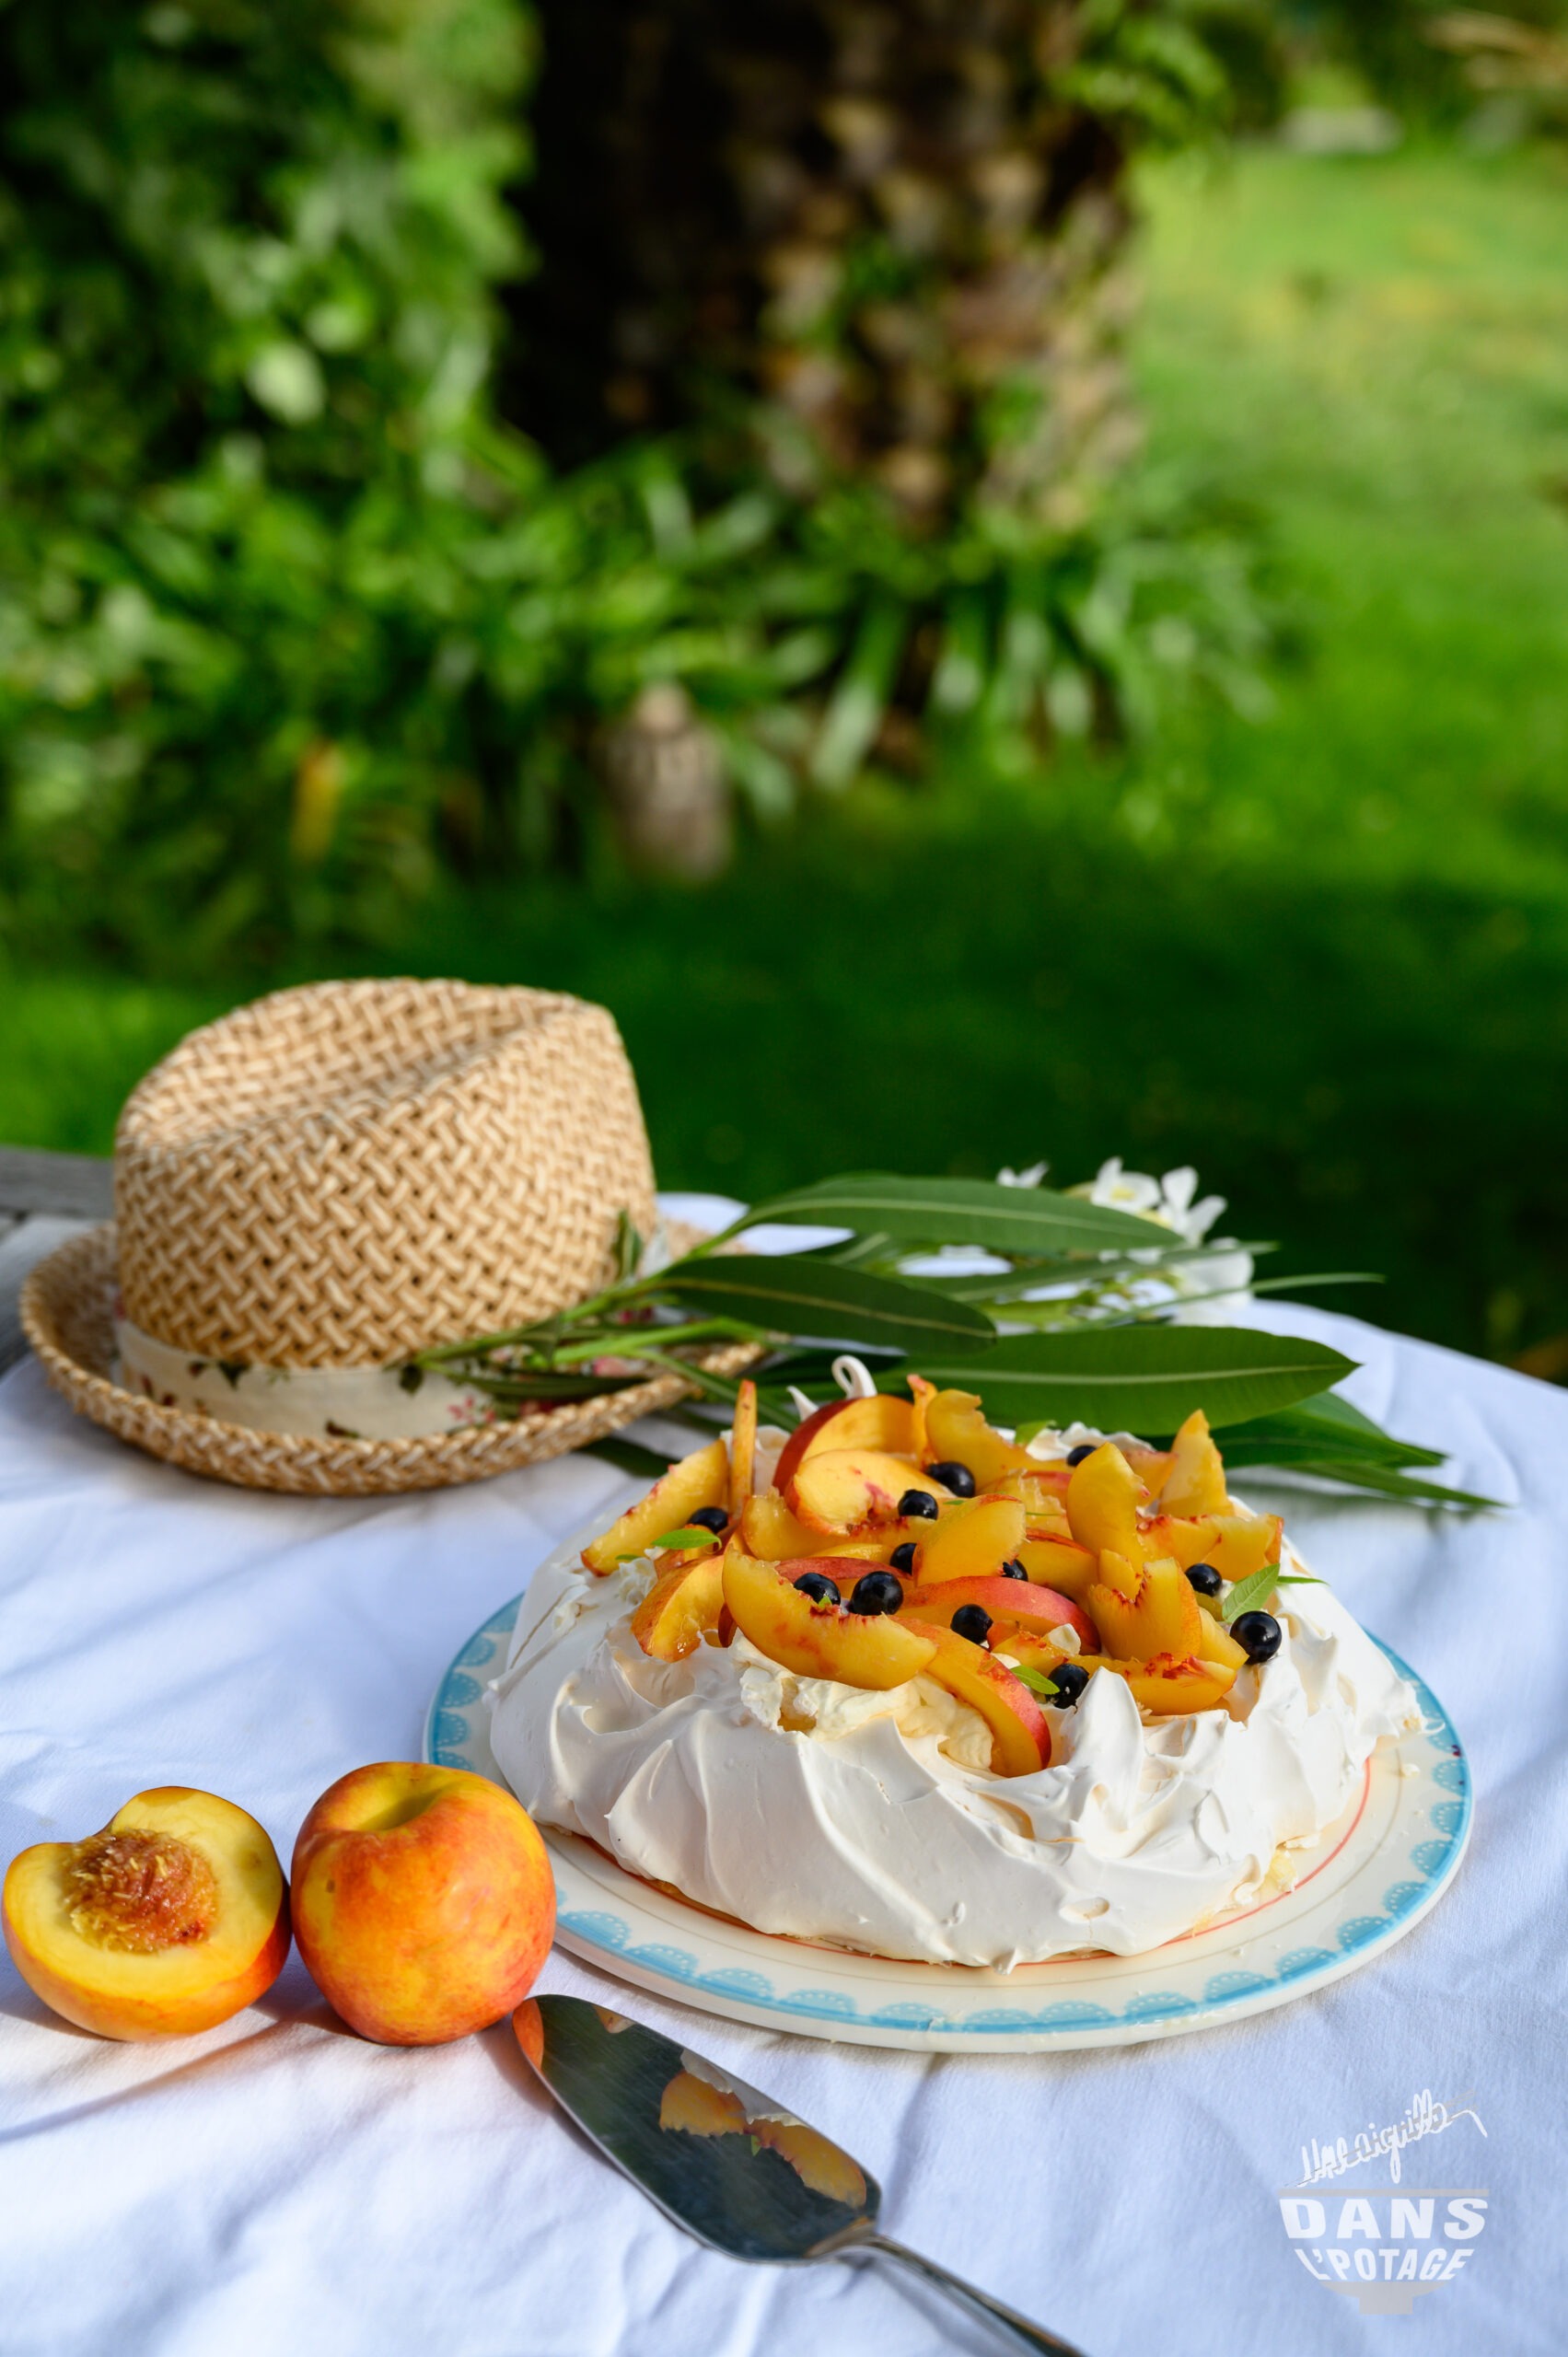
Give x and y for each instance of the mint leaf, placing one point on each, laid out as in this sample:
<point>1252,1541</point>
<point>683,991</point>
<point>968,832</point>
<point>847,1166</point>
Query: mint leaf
<point>1036,1681</point>
<point>1247,1594</point>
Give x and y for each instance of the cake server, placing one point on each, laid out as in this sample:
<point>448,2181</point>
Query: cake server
<point>722,2159</point>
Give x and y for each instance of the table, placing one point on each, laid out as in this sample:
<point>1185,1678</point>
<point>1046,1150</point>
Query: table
<point>279,2185</point>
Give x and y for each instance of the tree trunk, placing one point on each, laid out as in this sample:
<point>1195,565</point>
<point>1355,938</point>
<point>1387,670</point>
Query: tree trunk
<point>880,222</point>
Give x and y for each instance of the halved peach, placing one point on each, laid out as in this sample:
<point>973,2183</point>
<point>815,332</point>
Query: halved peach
<point>881,1422</point>
<point>956,1433</point>
<point>167,1922</point>
<point>1160,1617</point>
<point>1103,1498</point>
<point>742,1447</point>
<point>669,1622</point>
<point>1060,1563</point>
<point>819,1640</point>
<point>1015,1601</point>
<point>768,1528</point>
<point>1195,1483</point>
<point>973,1539</point>
<point>853,1490</point>
<point>1019,1731</point>
<point>699,1480</point>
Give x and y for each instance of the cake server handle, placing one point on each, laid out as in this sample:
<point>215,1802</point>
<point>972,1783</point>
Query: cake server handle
<point>1031,2336</point>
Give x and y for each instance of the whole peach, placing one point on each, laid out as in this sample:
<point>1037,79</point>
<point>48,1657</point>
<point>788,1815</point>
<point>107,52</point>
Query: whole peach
<point>424,1904</point>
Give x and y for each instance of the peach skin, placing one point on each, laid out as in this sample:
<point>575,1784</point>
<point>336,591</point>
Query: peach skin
<point>424,1901</point>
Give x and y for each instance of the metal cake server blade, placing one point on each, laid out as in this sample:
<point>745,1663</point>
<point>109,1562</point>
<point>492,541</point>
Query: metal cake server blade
<point>722,2159</point>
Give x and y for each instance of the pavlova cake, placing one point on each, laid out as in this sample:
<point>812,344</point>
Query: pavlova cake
<point>898,1683</point>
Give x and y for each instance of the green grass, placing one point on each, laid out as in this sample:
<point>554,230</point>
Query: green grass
<point>1323,956</point>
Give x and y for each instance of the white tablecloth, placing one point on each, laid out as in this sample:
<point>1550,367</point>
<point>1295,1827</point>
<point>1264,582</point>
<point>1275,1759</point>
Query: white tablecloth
<point>278,2184</point>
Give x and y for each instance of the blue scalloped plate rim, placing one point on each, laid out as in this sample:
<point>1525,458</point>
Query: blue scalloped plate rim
<point>625,1927</point>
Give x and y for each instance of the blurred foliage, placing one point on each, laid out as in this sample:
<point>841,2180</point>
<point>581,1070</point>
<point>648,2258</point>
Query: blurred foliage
<point>353,477</point>
<point>292,619</point>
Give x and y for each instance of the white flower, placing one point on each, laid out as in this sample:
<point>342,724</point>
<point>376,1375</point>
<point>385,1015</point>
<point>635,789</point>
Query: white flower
<point>1168,1202</point>
<point>1030,1178</point>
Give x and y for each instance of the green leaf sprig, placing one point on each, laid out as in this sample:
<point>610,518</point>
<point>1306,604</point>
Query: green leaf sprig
<point>1250,1594</point>
<point>1068,1320</point>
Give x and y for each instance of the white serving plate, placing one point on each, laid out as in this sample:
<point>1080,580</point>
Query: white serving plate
<point>1372,1877</point>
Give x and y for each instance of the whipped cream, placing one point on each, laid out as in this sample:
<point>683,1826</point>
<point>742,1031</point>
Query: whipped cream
<point>871,1821</point>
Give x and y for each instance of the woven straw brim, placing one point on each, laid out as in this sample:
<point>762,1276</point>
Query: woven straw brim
<point>66,1309</point>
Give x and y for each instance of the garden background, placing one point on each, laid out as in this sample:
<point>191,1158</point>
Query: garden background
<point>1153,741</point>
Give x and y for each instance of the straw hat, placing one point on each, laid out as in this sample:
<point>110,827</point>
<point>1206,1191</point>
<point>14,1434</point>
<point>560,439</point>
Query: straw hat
<point>320,1185</point>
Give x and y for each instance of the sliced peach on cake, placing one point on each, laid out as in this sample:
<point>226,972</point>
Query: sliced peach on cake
<point>853,1490</point>
<point>817,1639</point>
<point>768,1528</point>
<point>1161,1616</point>
<point>880,1422</point>
<point>742,1447</point>
<point>1243,1543</point>
<point>1167,1685</point>
<point>167,1922</point>
<point>973,1539</point>
<point>680,1607</point>
<point>1020,1733</point>
<point>1103,1498</point>
<point>956,1433</point>
<point>1195,1483</point>
<point>701,1480</point>
<point>1031,1650</point>
<point>1060,1563</point>
<point>922,1393</point>
<point>1015,1601</point>
<point>1216,1644</point>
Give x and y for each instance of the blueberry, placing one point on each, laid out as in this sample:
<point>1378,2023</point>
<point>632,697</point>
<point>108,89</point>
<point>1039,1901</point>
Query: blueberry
<point>712,1518</point>
<point>902,1558</point>
<point>954,1477</point>
<point>972,1620</point>
<point>1205,1578</point>
<point>1069,1677</point>
<point>921,1502</point>
<point>1014,1571</point>
<point>878,1592</point>
<point>819,1588</point>
<point>1084,1448</point>
<point>1258,1634</point>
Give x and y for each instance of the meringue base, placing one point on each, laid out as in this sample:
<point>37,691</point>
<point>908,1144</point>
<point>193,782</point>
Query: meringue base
<point>871,1821</point>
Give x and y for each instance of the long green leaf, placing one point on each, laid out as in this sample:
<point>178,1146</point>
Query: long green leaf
<point>1329,1422</point>
<point>817,1301</point>
<point>1360,1473</point>
<point>1139,1378</point>
<point>965,1211</point>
